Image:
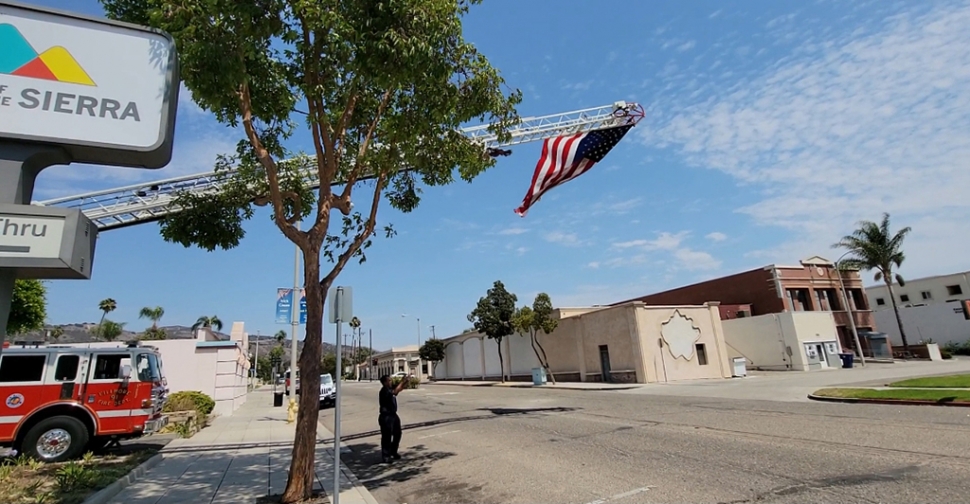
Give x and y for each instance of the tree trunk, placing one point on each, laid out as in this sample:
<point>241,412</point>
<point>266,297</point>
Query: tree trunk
<point>899,321</point>
<point>501,361</point>
<point>101,324</point>
<point>543,360</point>
<point>299,486</point>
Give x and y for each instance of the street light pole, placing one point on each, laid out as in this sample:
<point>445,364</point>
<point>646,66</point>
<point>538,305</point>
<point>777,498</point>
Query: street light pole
<point>294,317</point>
<point>848,309</point>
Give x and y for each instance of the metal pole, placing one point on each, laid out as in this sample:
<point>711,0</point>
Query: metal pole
<point>335,498</point>
<point>294,316</point>
<point>370,358</point>
<point>419,332</point>
<point>256,367</point>
<point>19,166</point>
<point>848,309</point>
<point>432,332</point>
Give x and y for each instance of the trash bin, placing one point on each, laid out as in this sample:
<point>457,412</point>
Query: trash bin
<point>538,376</point>
<point>278,399</point>
<point>740,367</point>
<point>847,359</point>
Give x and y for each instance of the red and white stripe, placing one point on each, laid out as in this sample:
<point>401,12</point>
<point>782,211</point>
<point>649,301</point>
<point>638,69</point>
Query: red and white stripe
<point>556,166</point>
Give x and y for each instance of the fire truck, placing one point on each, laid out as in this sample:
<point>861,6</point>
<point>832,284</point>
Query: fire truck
<point>56,402</point>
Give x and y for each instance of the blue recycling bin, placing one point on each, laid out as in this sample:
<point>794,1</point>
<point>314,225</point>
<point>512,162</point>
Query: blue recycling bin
<point>847,359</point>
<point>538,376</point>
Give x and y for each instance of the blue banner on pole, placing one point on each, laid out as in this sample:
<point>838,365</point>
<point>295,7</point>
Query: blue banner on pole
<point>302,306</point>
<point>284,306</point>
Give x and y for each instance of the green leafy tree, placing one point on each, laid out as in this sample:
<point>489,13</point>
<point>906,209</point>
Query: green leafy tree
<point>154,314</point>
<point>533,320</point>
<point>28,307</point>
<point>56,333</point>
<point>493,317</point>
<point>432,351</point>
<point>875,247</point>
<point>208,323</point>
<point>154,333</point>
<point>328,364</point>
<point>380,85</point>
<point>280,337</point>
<point>106,306</point>
<point>109,330</point>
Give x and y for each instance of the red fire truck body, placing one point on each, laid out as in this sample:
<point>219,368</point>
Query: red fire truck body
<point>58,401</point>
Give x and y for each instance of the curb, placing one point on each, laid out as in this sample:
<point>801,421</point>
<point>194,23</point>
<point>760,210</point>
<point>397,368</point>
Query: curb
<point>898,402</point>
<point>531,386</point>
<point>109,492</point>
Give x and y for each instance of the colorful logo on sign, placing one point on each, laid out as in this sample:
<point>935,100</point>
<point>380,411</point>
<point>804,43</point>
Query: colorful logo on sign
<point>20,58</point>
<point>15,400</point>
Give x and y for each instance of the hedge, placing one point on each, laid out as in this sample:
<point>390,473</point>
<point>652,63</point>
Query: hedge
<point>188,400</point>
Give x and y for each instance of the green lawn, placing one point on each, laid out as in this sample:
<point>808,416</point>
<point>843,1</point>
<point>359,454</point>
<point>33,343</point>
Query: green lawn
<point>951,381</point>
<point>898,394</point>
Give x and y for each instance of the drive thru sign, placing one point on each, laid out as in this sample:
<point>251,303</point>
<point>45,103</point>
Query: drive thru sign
<point>73,89</point>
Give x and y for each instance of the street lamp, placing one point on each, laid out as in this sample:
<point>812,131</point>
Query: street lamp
<point>848,308</point>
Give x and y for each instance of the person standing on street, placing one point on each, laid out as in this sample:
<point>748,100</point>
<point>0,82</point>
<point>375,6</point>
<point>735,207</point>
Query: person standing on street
<point>388,420</point>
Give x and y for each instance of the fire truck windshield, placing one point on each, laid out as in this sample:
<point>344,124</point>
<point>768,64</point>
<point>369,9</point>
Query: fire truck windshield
<point>148,369</point>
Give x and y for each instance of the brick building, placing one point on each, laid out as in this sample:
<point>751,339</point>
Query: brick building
<point>811,286</point>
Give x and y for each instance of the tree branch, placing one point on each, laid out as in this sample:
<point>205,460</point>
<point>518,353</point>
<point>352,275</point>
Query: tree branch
<point>272,173</point>
<point>355,173</point>
<point>359,239</point>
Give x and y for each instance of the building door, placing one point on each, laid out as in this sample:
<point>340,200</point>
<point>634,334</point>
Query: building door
<point>822,356</point>
<point>605,363</point>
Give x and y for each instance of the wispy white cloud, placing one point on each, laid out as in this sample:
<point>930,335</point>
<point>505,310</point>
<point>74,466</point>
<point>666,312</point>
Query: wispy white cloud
<point>841,130</point>
<point>567,239</point>
<point>515,230</point>
<point>684,258</point>
<point>716,236</point>
<point>686,46</point>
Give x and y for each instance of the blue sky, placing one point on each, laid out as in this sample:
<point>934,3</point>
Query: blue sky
<point>772,127</point>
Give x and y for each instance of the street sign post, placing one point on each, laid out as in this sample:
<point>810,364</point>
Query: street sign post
<point>341,302</point>
<point>73,89</point>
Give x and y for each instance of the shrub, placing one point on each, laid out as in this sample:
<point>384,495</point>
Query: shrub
<point>413,381</point>
<point>188,400</point>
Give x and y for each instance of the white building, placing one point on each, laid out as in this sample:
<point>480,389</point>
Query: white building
<point>922,291</point>
<point>402,359</point>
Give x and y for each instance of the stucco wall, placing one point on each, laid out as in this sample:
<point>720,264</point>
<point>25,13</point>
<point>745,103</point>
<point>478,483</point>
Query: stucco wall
<point>521,355</point>
<point>703,325</point>
<point>472,348</point>
<point>942,322</point>
<point>492,364</point>
<point>452,365</point>
<point>613,327</point>
<point>759,340</point>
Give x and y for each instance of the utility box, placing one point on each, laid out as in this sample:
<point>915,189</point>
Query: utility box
<point>538,376</point>
<point>739,366</point>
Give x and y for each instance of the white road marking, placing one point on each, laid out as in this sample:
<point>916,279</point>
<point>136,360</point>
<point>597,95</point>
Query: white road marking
<point>441,393</point>
<point>438,434</point>
<point>623,495</point>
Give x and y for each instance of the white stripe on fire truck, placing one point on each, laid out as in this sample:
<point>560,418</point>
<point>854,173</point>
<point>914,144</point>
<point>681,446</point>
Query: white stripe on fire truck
<point>10,419</point>
<point>123,413</point>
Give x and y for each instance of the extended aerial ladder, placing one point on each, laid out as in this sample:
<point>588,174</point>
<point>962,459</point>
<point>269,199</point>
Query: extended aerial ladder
<point>152,201</point>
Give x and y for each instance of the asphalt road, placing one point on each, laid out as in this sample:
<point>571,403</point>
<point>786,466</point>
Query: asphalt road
<point>501,445</point>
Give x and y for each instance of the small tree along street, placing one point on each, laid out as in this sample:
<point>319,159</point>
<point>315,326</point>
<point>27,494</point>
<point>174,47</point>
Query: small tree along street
<point>207,323</point>
<point>433,351</point>
<point>381,85</point>
<point>28,307</point>
<point>493,317</point>
<point>874,247</point>
<point>532,320</point>
<point>154,314</point>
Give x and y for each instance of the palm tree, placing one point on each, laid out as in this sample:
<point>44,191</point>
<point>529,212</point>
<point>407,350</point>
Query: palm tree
<point>106,306</point>
<point>154,314</point>
<point>112,330</point>
<point>874,247</point>
<point>280,336</point>
<point>207,322</point>
<point>57,332</point>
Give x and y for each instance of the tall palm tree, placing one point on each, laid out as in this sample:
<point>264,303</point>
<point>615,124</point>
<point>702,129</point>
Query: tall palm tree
<point>208,322</point>
<point>106,306</point>
<point>874,247</point>
<point>154,314</point>
<point>280,336</point>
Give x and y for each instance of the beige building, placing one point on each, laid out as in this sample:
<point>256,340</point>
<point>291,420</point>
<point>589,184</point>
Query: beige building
<point>798,341</point>
<point>630,343</point>
<point>402,359</point>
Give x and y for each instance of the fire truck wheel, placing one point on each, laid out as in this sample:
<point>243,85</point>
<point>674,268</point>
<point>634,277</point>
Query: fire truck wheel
<point>56,439</point>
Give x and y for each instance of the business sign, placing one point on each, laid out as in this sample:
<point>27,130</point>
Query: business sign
<point>284,306</point>
<point>106,91</point>
<point>44,242</point>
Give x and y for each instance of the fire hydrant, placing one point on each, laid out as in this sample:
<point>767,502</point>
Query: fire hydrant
<point>291,411</point>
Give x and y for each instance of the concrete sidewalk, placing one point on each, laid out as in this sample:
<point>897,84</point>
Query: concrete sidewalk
<point>548,385</point>
<point>238,459</point>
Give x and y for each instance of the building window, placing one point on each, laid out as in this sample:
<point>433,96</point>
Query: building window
<point>827,300</point>
<point>799,300</point>
<point>926,295</point>
<point>904,298</point>
<point>22,368</point>
<point>701,354</point>
<point>954,290</point>
<point>881,301</point>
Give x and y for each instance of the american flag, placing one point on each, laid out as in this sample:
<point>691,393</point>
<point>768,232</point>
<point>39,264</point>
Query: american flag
<point>567,157</point>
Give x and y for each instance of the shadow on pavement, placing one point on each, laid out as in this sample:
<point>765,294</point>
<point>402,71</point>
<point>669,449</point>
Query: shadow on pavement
<point>365,463</point>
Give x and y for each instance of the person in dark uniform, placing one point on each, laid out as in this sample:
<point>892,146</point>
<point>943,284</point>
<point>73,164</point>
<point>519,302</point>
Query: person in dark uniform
<point>388,420</point>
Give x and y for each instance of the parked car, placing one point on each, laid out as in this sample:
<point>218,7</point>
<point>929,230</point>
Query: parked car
<point>328,391</point>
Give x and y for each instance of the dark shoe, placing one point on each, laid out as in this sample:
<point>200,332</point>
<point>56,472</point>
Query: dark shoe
<point>385,460</point>
<point>396,456</point>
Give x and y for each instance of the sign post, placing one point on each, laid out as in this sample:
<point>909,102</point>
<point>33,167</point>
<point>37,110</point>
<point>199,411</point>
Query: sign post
<point>341,310</point>
<point>73,89</point>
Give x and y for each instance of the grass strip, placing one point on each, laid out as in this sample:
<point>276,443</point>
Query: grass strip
<point>897,394</point>
<point>951,381</point>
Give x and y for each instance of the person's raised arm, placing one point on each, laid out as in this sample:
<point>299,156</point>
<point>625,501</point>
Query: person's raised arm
<point>400,386</point>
